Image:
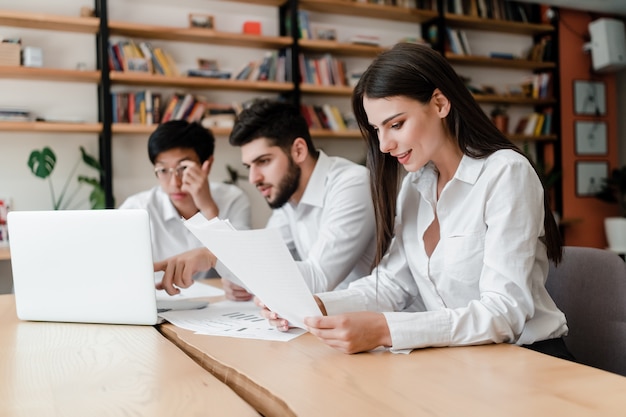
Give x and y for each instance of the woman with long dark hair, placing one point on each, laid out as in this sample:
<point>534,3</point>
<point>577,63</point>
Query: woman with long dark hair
<point>463,240</point>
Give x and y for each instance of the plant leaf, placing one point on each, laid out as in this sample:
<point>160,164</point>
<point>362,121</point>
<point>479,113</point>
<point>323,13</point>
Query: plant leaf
<point>90,160</point>
<point>41,163</point>
<point>96,197</point>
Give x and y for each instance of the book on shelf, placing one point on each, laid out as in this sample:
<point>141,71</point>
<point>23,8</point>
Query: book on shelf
<point>209,73</point>
<point>324,116</point>
<point>137,107</point>
<point>501,55</point>
<point>15,115</point>
<point>365,40</point>
<point>518,11</point>
<point>171,107</point>
<point>326,70</point>
<point>185,107</point>
<point>454,41</point>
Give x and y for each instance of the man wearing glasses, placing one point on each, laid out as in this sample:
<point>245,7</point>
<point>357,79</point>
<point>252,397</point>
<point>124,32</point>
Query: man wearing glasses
<point>182,155</point>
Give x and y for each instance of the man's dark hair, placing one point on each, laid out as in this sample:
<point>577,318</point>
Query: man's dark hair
<point>181,134</point>
<point>279,122</point>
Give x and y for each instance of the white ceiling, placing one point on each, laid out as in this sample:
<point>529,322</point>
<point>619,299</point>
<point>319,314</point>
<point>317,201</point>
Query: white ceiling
<point>615,7</point>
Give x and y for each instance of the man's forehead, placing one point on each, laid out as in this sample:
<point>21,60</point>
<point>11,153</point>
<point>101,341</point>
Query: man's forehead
<point>258,148</point>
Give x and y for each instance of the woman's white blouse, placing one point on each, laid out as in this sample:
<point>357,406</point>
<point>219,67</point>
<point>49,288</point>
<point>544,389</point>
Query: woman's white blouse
<point>484,282</point>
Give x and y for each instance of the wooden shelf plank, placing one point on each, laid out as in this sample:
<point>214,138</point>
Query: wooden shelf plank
<point>337,90</point>
<point>141,129</point>
<point>274,3</point>
<point>334,47</point>
<point>49,21</point>
<point>496,25</point>
<point>369,10</point>
<point>336,134</point>
<point>142,78</point>
<point>50,127</point>
<point>522,101</point>
<point>498,62</point>
<point>198,35</point>
<point>49,74</point>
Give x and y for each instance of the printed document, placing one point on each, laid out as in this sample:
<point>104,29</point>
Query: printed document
<point>229,318</point>
<point>261,261</point>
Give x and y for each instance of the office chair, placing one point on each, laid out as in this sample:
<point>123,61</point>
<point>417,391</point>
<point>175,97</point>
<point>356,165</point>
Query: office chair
<point>589,286</point>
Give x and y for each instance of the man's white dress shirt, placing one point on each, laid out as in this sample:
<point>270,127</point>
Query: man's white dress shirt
<point>169,235</point>
<point>484,282</point>
<point>331,230</point>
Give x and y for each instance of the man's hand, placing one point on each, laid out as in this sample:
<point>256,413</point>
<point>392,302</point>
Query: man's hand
<point>195,181</point>
<point>235,292</point>
<point>179,270</point>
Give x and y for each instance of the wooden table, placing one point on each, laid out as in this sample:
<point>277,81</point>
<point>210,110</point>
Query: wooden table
<point>304,377</point>
<point>67,369</point>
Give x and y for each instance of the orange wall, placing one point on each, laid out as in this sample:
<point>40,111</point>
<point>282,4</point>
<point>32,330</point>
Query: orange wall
<point>588,212</point>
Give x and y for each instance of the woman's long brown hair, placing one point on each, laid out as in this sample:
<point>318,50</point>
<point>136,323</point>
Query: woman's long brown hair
<point>415,71</point>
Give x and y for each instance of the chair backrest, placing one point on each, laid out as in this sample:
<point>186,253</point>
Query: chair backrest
<point>589,286</point>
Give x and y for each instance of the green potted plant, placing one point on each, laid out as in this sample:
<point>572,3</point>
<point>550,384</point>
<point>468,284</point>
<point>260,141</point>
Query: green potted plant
<point>613,190</point>
<point>42,163</point>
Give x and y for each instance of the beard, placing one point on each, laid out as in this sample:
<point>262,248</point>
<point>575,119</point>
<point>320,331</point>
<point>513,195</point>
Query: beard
<point>287,186</point>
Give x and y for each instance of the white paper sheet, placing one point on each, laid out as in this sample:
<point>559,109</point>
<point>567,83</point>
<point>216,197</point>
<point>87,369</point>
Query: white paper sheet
<point>229,318</point>
<point>261,260</point>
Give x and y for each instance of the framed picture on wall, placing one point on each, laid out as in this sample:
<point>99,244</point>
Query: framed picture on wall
<point>589,98</point>
<point>590,138</point>
<point>589,177</point>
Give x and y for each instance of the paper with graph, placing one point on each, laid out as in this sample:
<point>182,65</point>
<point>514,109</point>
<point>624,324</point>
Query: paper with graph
<point>261,261</point>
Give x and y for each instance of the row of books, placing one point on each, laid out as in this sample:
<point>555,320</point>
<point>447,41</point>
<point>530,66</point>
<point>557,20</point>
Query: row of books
<point>542,51</point>
<point>494,9</point>
<point>536,123</point>
<point>399,3</point>
<point>139,107</point>
<point>275,66</point>
<point>541,85</point>
<point>326,70</point>
<point>128,55</point>
<point>147,107</point>
<point>457,42</point>
<point>324,117</point>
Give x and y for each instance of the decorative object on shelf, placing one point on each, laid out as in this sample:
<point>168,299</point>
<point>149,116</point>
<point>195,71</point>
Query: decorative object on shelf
<point>204,21</point>
<point>42,163</point>
<point>324,33</point>
<point>590,137</point>
<point>252,27</point>
<point>589,177</point>
<point>589,98</point>
<point>613,190</point>
<point>86,11</point>
<point>10,53</point>
<point>32,57</point>
<point>500,118</point>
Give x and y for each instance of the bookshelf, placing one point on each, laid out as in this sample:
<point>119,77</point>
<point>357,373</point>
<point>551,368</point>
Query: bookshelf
<point>52,22</point>
<point>496,23</point>
<point>358,55</point>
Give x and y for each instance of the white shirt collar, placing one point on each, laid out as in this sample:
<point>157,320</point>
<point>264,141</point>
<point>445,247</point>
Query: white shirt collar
<point>315,188</point>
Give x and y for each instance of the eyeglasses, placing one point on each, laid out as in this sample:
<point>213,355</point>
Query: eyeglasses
<point>165,174</point>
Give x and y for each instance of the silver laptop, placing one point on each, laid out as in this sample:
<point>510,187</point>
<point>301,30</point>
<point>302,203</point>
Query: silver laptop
<point>88,266</point>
